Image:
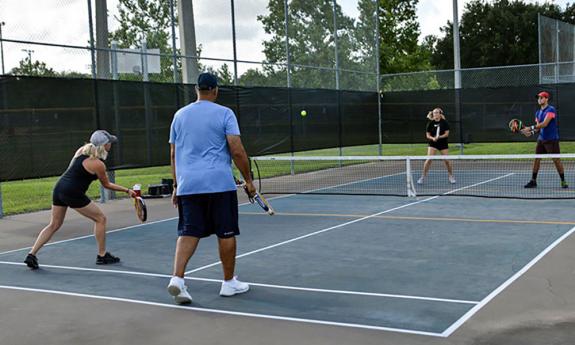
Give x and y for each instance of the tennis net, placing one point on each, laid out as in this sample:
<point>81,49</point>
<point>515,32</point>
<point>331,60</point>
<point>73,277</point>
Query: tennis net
<point>497,176</point>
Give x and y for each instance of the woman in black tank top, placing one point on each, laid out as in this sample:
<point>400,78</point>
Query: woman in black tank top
<point>86,166</point>
<point>436,133</point>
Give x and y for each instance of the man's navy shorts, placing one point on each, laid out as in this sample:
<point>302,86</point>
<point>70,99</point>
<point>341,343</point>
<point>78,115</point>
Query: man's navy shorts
<point>201,215</point>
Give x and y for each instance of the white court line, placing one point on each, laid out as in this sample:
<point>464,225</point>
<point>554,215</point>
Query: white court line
<point>88,236</point>
<point>226,312</point>
<point>116,230</point>
<point>503,286</point>
<point>477,184</point>
<point>353,182</point>
<point>344,224</point>
<point>358,293</point>
<point>443,334</point>
<point>312,234</point>
<point>165,220</point>
<point>284,287</point>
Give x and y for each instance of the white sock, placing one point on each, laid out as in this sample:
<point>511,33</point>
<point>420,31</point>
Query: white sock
<point>179,281</point>
<point>230,281</point>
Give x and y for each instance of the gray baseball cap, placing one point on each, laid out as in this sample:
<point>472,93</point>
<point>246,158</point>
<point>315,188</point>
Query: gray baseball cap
<point>102,137</point>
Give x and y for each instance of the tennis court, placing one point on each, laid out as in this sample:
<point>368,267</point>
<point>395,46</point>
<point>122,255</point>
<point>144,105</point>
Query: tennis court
<point>420,265</point>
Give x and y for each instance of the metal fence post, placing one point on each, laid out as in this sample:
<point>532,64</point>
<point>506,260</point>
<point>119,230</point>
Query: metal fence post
<point>112,178</point>
<point>1,207</point>
<point>103,194</point>
<point>378,81</point>
<point>174,51</point>
<point>288,70</point>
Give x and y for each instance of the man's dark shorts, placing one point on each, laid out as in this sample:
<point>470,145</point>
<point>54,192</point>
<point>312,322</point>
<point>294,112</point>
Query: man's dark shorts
<point>547,146</point>
<point>201,215</point>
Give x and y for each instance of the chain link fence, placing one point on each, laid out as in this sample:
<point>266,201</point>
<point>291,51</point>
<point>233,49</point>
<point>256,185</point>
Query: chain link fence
<point>270,54</point>
<point>290,43</point>
<point>474,78</point>
<point>316,44</point>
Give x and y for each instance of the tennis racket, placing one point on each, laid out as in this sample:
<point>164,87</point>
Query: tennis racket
<point>262,202</point>
<point>141,210</point>
<point>257,198</point>
<point>515,125</point>
<point>437,132</point>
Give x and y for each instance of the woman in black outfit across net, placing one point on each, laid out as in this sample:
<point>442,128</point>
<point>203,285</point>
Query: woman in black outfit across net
<point>437,124</point>
<point>86,166</point>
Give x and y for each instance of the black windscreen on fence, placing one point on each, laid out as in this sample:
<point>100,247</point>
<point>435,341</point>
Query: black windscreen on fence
<point>474,115</point>
<point>43,120</point>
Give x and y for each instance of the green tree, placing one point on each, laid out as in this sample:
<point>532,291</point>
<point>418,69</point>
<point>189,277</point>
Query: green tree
<point>399,31</point>
<point>311,41</point>
<point>73,74</point>
<point>225,76</point>
<point>36,69</point>
<point>495,33</point>
<point>150,21</point>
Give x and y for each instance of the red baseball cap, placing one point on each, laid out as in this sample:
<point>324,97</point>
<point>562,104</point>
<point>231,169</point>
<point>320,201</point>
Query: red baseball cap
<point>543,94</point>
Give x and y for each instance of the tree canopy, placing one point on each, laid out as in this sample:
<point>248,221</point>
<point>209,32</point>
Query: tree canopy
<point>312,43</point>
<point>149,21</point>
<point>495,33</point>
<point>33,68</point>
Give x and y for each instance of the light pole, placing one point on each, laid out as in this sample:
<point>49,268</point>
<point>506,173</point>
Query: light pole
<point>29,51</point>
<point>2,47</point>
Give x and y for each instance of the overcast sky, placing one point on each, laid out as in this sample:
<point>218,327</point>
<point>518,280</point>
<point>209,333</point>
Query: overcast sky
<point>65,22</point>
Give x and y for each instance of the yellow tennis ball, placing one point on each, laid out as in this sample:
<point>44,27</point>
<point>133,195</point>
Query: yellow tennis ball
<point>303,113</point>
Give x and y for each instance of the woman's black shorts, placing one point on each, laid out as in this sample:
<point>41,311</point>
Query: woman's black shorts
<point>61,198</point>
<point>439,145</point>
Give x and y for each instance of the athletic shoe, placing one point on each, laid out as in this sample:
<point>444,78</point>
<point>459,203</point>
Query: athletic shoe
<point>564,184</point>
<point>233,287</point>
<point>32,261</point>
<point>178,289</point>
<point>531,184</point>
<point>107,259</point>
<point>452,180</point>
<point>420,181</point>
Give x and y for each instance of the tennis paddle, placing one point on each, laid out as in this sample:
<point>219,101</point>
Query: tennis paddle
<point>515,125</point>
<point>256,198</point>
<point>141,210</point>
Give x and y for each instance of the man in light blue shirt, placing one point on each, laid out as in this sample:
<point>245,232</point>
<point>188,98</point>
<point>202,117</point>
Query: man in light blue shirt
<point>204,138</point>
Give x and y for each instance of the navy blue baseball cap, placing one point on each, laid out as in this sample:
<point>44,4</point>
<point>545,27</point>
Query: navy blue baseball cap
<point>207,81</point>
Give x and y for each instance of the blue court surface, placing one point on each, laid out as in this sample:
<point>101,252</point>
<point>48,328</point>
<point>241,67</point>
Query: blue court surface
<point>415,265</point>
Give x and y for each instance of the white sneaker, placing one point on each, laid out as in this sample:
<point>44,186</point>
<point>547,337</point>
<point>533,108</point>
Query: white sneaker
<point>233,287</point>
<point>420,181</point>
<point>451,179</point>
<point>178,289</point>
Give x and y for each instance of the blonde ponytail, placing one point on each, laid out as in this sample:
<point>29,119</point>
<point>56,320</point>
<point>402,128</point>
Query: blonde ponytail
<point>98,152</point>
